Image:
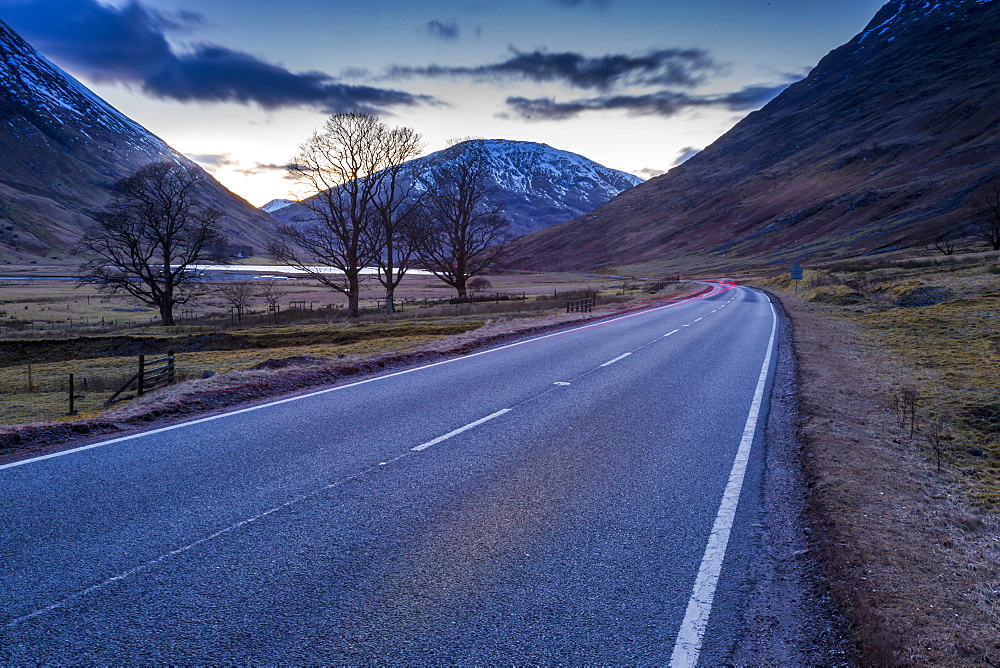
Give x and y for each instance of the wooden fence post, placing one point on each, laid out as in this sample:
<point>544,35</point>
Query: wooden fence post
<point>170,368</point>
<point>72,408</point>
<point>142,373</point>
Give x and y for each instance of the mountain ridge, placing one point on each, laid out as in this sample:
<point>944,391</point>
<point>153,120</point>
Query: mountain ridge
<point>877,148</point>
<point>62,148</point>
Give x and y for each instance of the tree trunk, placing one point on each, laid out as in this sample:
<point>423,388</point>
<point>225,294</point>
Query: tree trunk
<point>460,286</point>
<point>390,306</point>
<point>166,314</point>
<point>353,293</point>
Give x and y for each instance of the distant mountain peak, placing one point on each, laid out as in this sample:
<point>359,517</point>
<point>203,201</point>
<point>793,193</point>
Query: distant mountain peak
<point>537,185</point>
<point>276,205</point>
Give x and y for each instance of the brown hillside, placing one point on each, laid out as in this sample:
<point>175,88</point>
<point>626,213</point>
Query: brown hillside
<point>878,148</point>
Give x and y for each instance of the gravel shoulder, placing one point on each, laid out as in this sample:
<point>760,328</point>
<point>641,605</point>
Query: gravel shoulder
<point>791,619</point>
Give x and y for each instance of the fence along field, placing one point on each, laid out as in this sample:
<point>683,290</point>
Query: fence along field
<point>50,329</point>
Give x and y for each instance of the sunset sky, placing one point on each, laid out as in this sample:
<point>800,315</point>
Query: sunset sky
<point>238,84</point>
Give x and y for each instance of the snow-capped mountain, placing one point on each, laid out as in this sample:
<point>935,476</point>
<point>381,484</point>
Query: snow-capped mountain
<point>878,149</point>
<point>537,185</point>
<point>276,204</point>
<point>61,149</point>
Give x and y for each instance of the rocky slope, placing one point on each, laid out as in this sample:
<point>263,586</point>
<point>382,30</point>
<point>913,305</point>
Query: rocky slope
<point>877,149</point>
<point>62,147</point>
<point>537,185</point>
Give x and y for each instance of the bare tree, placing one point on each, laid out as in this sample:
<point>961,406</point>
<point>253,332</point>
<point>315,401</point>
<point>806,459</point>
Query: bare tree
<point>345,165</point>
<point>148,240</point>
<point>397,204</point>
<point>985,207</point>
<point>238,295</point>
<point>272,292</point>
<point>944,242</point>
<point>461,231</point>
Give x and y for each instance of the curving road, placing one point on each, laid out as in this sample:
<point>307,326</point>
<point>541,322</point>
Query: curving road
<point>567,498</point>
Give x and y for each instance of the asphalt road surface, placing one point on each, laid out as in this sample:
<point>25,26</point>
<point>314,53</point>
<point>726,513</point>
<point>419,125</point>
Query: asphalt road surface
<point>567,498</point>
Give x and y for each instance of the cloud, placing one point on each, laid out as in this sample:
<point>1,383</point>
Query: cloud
<point>665,67</point>
<point>600,4</point>
<point>686,154</point>
<point>661,103</point>
<point>442,30</point>
<point>128,45</point>
<point>212,161</point>
<point>649,172</point>
<point>264,167</point>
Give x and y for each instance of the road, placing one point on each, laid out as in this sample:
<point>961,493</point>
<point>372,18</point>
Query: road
<point>565,498</point>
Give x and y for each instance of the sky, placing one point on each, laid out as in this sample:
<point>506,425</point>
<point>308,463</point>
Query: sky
<point>238,85</point>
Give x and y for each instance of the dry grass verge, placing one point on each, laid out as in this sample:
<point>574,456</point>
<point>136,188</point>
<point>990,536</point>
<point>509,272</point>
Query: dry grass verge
<point>912,551</point>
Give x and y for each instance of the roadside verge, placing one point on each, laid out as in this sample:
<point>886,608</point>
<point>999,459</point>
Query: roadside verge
<point>911,563</point>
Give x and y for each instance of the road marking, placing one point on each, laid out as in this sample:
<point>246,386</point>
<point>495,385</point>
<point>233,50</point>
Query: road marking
<point>692,632</point>
<point>77,595</point>
<point>560,383</point>
<point>698,319</point>
<point>617,359</point>
<point>670,333</point>
<point>424,446</point>
<point>338,388</point>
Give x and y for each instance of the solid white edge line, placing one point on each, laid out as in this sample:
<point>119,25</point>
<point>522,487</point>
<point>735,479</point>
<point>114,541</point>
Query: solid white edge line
<point>424,446</point>
<point>687,647</point>
<point>63,453</point>
<point>617,359</point>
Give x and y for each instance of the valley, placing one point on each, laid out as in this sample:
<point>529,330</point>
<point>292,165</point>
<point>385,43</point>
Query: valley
<point>565,437</point>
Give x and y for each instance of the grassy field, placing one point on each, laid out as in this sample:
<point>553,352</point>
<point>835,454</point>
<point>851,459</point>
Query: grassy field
<point>899,370</point>
<point>50,329</point>
<point>941,326</point>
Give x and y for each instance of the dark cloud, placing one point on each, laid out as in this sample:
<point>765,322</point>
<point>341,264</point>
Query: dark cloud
<point>751,97</point>
<point>665,67</point>
<point>661,103</point>
<point>443,30</point>
<point>129,45</point>
<point>686,154</point>
<point>600,4</point>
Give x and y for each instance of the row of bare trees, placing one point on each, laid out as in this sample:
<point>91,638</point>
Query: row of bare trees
<point>367,210</point>
<point>370,210</point>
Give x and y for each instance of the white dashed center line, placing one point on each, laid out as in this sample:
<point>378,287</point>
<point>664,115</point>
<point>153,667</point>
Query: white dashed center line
<point>424,446</point>
<point>617,359</point>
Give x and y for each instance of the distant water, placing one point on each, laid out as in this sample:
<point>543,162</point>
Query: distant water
<point>283,270</point>
<point>259,271</point>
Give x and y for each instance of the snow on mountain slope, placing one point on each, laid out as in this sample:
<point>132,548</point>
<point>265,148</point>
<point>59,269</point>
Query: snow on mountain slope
<point>276,205</point>
<point>876,151</point>
<point>537,185</point>
<point>62,148</point>
<point>895,14</point>
<point>33,82</point>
